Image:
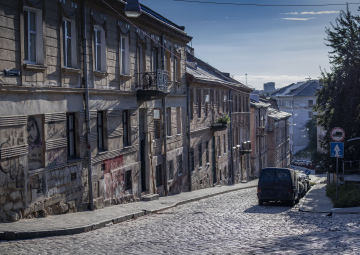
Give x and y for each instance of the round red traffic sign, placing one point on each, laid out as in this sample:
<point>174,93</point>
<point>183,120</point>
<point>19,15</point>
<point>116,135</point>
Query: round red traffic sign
<point>337,134</point>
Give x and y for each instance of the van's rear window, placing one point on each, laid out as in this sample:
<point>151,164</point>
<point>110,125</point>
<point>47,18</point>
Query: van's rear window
<point>283,174</point>
<point>268,174</point>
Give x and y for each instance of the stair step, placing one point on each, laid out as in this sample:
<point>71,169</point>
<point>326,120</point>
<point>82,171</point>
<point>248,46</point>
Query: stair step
<point>150,197</point>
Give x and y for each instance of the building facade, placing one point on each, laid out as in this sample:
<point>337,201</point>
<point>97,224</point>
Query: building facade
<point>219,152</point>
<point>93,107</point>
<point>298,100</point>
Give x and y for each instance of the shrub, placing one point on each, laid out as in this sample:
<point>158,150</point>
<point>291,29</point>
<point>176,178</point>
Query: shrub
<point>348,195</point>
<point>225,119</point>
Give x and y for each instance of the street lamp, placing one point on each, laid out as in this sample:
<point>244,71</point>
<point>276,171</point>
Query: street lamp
<point>132,9</point>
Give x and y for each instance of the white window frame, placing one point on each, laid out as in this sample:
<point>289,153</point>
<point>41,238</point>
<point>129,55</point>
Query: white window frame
<point>72,45</point>
<point>39,44</point>
<point>102,51</point>
<point>124,55</point>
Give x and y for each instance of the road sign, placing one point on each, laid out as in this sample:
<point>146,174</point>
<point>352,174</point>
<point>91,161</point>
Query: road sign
<point>337,134</point>
<point>307,172</point>
<point>337,150</point>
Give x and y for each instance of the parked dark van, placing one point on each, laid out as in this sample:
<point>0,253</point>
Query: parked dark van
<point>278,184</point>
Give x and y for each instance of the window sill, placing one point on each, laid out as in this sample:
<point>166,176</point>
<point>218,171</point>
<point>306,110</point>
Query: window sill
<point>35,67</point>
<point>70,70</point>
<point>102,152</point>
<point>100,74</point>
<point>125,76</point>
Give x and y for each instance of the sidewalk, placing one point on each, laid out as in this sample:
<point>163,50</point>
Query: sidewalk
<point>74,223</point>
<point>316,201</point>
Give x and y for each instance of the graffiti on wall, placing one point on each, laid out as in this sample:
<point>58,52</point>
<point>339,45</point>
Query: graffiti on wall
<point>55,131</point>
<point>56,157</point>
<point>34,140</point>
<point>114,177</point>
<point>13,166</point>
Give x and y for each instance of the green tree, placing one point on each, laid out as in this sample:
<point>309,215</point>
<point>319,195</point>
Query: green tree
<point>338,101</point>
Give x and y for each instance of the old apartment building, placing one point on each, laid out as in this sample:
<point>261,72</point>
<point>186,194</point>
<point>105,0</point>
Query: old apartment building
<point>93,106</point>
<point>270,137</point>
<point>219,118</point>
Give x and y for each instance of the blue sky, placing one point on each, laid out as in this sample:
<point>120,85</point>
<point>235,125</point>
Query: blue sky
<point>278,44</point>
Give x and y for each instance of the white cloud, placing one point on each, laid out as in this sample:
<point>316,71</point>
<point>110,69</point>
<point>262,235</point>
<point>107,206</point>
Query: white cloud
<point>311,13</point>
<point>301,19</point>
<point>319,13</point>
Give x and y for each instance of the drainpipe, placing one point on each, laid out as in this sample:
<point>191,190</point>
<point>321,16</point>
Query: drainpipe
<point>231,139</point>
<point>163,102</point>
<point>87,112</point>
<point>188,130</point>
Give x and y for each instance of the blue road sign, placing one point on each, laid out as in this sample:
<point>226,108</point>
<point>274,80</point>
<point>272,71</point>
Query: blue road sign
<point>307,172</point>
<point>337,150</point>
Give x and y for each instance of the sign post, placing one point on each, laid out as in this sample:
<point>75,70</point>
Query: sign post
<point>337,134</point>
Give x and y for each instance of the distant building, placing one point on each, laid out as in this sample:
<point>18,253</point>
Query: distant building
<point>298,100</point>
<point>269,88</point>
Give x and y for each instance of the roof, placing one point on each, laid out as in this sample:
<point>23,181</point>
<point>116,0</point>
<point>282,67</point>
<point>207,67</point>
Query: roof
<point>203,72</point>
<point>307,88</point>
<point>259,104</point>
<point>277,115</point>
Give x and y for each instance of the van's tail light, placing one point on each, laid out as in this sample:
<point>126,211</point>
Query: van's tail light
<point>259,190</point>
<point>291,191</point>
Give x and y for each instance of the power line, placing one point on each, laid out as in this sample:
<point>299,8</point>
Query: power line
<point>264,5</point>
<point>159,44</point>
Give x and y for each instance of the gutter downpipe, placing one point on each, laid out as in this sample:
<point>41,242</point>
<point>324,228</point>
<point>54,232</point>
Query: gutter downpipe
<point>231,140</point>
<point>163,102</point>
<point>87,112</point>
<point>188,131</point>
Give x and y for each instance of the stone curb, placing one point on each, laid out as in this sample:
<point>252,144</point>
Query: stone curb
<point>13,235</point>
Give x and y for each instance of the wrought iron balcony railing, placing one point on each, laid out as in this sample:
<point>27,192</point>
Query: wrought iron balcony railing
<point>152,85</point>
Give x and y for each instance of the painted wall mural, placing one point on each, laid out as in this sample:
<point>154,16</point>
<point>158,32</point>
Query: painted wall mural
<point>56,157</point>
<point>114,177</point>
<point>34,141</point>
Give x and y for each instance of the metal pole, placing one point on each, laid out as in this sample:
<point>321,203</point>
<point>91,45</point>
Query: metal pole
<point>231,139</point>
<point>163,102</point>
<point>87,113</point>
<point>337,178</point>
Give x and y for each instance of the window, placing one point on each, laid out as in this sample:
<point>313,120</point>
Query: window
<point>157,123</point>
<point>198,97</point>
<point>100,130</point>
<point>128,180</point>
<point>177,59</point>
<point>191,103</point>
<point>69,43</point>
<point>70,123</point>
<point>219,146</point>
<point>155,59</point>
<point>126,128</point>
<point>168,121</point>
<point>33,44</point>
<point>229,144</point>
<point>224,143</point>
<point>207,152</point>
<point>178,120</point>
<point>207,99</point>
<point>99,49</point>
<point>124,55</point>
<point>192,163</point>
<point>171,169</point>
<point>310,115</point>
<point>180,165</point>
<point>158,175</point>
<point>310,103</point>
<point>140,64</point>
<point>200,154</point>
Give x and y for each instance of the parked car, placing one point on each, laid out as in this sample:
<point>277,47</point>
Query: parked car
<point>304,183</point>
<point>278,184</point>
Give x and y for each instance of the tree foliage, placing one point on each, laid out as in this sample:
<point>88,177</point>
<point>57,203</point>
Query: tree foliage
<point>338,101</point>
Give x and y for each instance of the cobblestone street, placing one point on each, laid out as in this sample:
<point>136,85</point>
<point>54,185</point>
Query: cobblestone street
<point>231,223</point>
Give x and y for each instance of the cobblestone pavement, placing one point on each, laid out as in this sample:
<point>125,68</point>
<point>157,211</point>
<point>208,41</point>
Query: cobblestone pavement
<point>231,223</point>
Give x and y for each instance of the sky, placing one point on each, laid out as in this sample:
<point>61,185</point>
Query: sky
<point>258,44</point>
